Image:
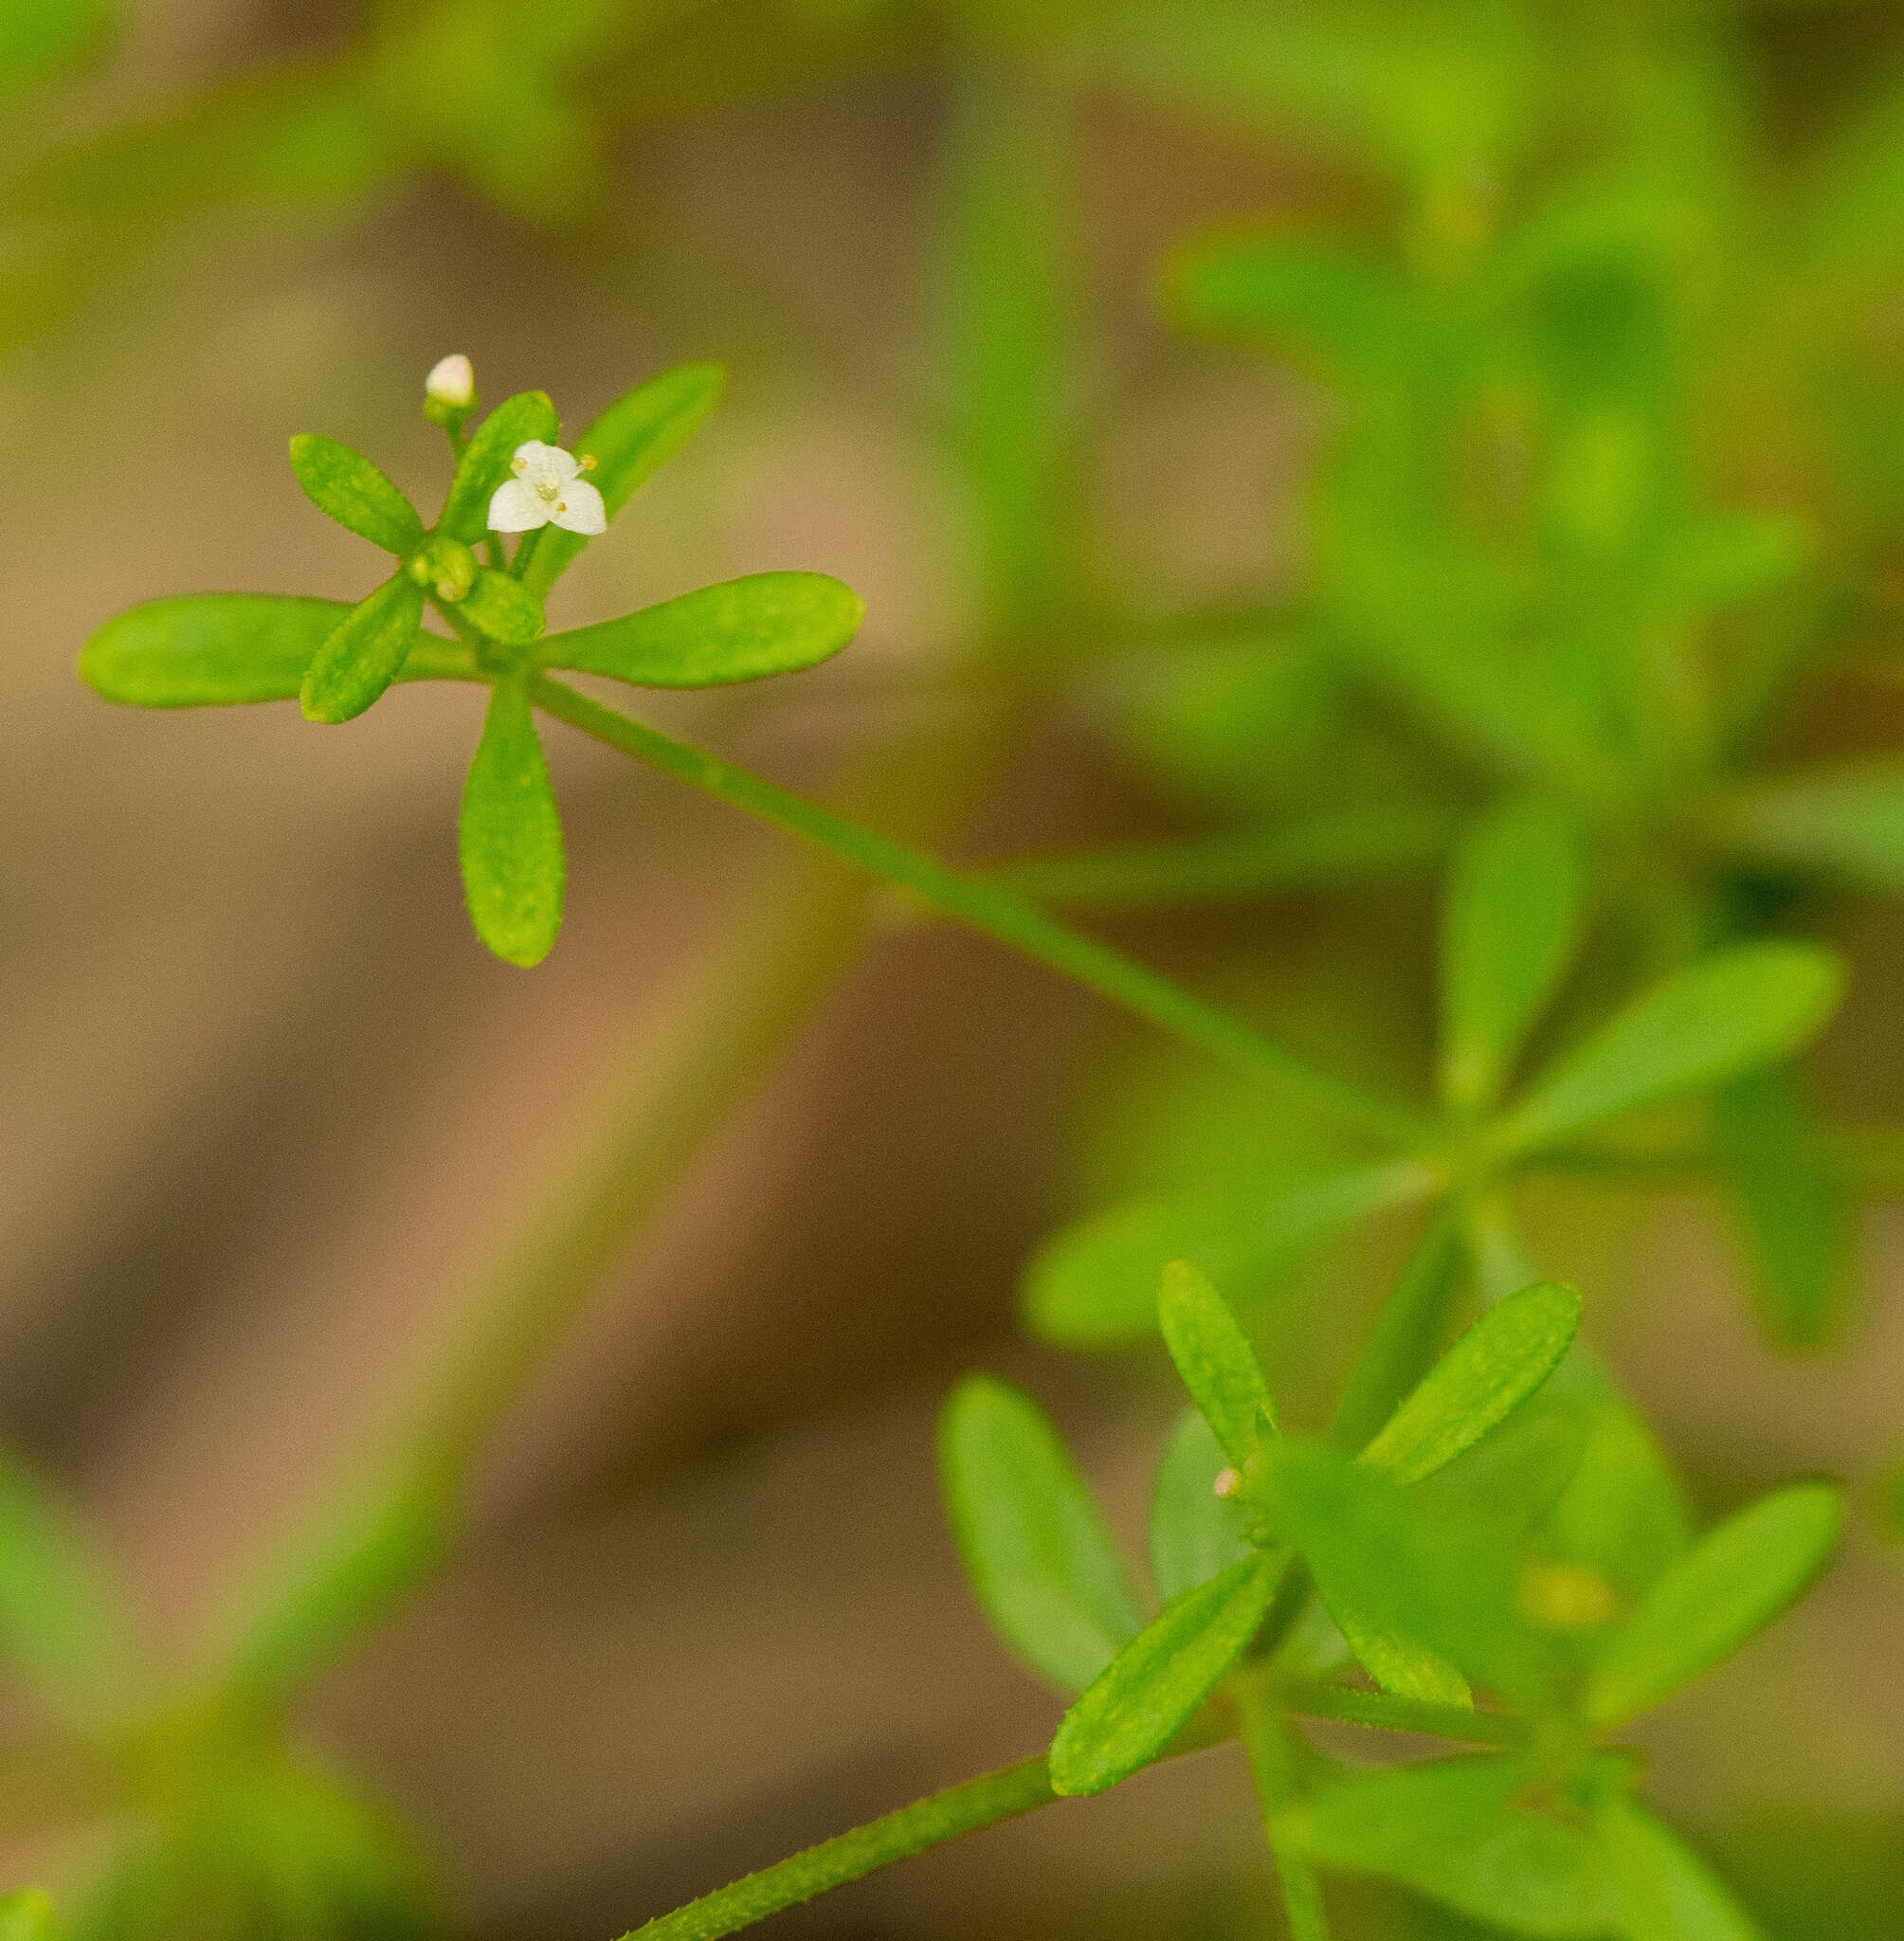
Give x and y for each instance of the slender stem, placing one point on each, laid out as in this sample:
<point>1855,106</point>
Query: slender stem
<point>1273,1765</point>
<point>1357,846</point>
<point>993,912</point>
<point>1302,1895</point>
<point>898,1836</point>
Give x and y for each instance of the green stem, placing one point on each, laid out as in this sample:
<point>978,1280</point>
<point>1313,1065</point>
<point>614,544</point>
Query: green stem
<point>997,914</point>
<point>898,1836</point>
<point>1273,1765</point>
<point>1400,1345</point>
<point>1302,1895</point>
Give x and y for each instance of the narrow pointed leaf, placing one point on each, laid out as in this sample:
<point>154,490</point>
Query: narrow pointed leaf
<point>1029,1534</point>
<point>1216,1363</point>
<point>1451,1830</point>
<point>1138,1703</point>
<point>1195,1533</point>
<point>637,433</point>
<point>1665,1892</point>
<point>1793,1211</point>
<point>484,463</point>
<point>364,653</point>
<point>1396,1661</point>
<point>1510,926</point>
<point>63,1624</point>
<point>1741,1009</point>
<point>503,608</point>
<point>1095,1285</point>
<point>509,836</point>
<point>209,649</point>
<point>1490,1371</point>
<point>345,486</point>
<point>765,622</point>
<point>1732,1584</point>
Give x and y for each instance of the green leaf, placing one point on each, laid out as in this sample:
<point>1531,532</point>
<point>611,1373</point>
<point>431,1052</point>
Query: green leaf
<point>1732,1584</point>
<point>1357,320</point>
<point>638,433</point>
<point>509,836</point>
<point>29,1915</point>
<point>1795,1214</point>
<point>209,649</point>
<point>764,622</point>
<point>363,653</point>
<point>1095,1284</point>
<point>40,40</point>
<point>1846,823</point>
<point>1136,1705</point>
<point>1740,1009</point>
<point>1216,1363</point>
<point>345,486</point>
<point>502,607</point>
<point>1510,926</point>
<point>1399,1574</point>
<point>1194,1533</point>
<point>1490,1371</point>
<point>1623,1514</point>
<point>1033,1544</point>
<point>1450,1830</point>
<point>1396,1661</point>
<point>484,463</point>
<point>1664,1889</point>
<point>62,1624</point>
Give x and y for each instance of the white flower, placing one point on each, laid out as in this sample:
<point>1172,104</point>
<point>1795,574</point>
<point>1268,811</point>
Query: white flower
<point>451,382</point>
<point>548,488</point>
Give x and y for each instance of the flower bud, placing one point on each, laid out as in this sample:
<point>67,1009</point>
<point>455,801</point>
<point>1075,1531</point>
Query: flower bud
<point>445,567</point>
<point>449,390</point>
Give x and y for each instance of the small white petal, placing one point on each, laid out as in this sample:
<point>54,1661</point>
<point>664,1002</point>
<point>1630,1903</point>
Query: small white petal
<point>516,509</point>
<point>452,382</point>
<point>581,509</point>
<point>545,464</point>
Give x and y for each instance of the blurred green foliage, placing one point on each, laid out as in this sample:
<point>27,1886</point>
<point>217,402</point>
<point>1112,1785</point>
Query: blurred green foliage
<point>1597,309</point>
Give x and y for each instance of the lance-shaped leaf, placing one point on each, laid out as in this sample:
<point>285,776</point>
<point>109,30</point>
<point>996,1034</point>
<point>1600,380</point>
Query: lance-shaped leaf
<point>1490,1371</point>
<point>509,836</point>
<point>345,486</point>
<point>1216,1363</point>
<point>363,653</point>
<point>503,608</point>
<point>1733,1582</point>
<point>1510,926</point>
<point>1664,1891</point>
<point>1033,1544</point>
<point>63,1625</point>
<point>1741,1009</point>
<point>1396,1661</point>
<point>1138,1704</point>
<point>484,463</point>
<point>1095,1285</point>
<point>765,622</point>
<point>640,431</point>
<point>1194,1533</point>
<point>1846,824</point>
<point>1794,1211</point>
<point>1451,1829</point>
<point>204,650</point>
<point>1443,1582</point>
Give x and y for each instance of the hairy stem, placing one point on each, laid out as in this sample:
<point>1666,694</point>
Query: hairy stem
<point>928,1823</point>
<point>1385,1713</point>
<point>996,914</point>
